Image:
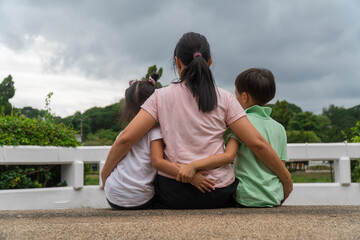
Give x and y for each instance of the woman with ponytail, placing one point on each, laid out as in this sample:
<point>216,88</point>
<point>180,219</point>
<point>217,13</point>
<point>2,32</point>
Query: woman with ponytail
<point>194,115</point>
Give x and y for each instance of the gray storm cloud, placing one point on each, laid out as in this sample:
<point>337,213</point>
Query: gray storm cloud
<point>312,47</point>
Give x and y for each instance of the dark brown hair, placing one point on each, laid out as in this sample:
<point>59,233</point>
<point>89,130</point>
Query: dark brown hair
<point>135,96</point>
<point>258,82</point>
<point>197,74</point>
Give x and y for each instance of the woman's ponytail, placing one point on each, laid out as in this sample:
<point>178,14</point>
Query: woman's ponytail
<point>193,50</point>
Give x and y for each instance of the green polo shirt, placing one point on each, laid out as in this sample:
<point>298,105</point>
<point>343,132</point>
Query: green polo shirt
<point>258,185</point>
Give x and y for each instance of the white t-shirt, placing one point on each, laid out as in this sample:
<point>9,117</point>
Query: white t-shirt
<point>131,182</point>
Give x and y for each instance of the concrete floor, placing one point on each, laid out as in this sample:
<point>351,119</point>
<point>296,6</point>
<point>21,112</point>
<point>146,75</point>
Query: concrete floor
<point>287,222</point>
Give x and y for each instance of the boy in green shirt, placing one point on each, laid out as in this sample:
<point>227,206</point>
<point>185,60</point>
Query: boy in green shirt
<point>258,185</point>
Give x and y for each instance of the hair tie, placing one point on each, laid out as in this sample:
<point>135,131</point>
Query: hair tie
<point>132,82</point>
<point>197,54</point>
<point>152,80</point>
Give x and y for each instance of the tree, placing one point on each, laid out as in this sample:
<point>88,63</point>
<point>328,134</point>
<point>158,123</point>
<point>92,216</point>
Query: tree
<point>102,137</point>
<point>307,121</point>
<point>294,108</point>
<point>7,91</point>
<point>151,70</point>
<point>355,165</point>
<point>30,112</point>
<point>341,117</point>
<point>281,113</point>
<point>296,136</point>
<point>342,120</point>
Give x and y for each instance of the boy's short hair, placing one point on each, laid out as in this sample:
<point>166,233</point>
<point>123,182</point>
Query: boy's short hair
<point>258,82</point>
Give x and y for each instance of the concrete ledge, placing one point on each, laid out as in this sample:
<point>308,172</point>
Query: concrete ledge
<point>287,222</point>
<point>324,194</point>
<point>52,198</point>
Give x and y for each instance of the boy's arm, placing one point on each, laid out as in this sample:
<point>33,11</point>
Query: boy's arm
<point>157,160</point>
<point>187,172</point>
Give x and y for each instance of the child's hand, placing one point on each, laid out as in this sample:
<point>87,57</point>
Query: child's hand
<point>202,183</point>
<point>186,173</point>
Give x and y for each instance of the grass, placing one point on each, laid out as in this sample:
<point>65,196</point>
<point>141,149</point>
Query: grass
<point>91,179</point>
<point>303,177</point>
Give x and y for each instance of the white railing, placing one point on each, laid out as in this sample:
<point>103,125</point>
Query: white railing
<point>76,195</point>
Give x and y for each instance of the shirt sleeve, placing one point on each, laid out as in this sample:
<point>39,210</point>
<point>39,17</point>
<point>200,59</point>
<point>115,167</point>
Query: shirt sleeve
<point>155,133</point>
<point>284,156</point>
<point>230,134</point>
<point>151,105</point>
<point>234,111</point>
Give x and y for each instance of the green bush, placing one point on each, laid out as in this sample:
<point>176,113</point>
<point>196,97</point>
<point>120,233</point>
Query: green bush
<point>355,165</point>
<point>19,130</point>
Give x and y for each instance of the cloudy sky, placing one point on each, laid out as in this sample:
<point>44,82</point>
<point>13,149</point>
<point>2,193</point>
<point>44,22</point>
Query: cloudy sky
<point>87,51</point>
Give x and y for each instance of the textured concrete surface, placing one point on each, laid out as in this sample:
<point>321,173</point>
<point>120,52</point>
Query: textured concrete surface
<point>287,222</point>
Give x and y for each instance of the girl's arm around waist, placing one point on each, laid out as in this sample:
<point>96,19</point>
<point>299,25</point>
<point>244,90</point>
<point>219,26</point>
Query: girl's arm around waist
<point>187,172</point>
<point>157,160</point>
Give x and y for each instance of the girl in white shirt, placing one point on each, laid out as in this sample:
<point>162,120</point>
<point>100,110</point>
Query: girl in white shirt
<point>130,185</point>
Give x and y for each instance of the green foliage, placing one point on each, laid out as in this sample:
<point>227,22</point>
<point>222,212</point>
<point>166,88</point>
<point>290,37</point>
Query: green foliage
<point>7,91</point>
<point>104,137</point>
<point>94,119</point>
<point>19,130</point>
<point>355,171</point>
<point>307,121</point>
<point>355,165</point>
<point>355,133</point>
<point>301,136</point>
<point>151,70</point>
<point>333,125</point>
<point>342,120</point>
<point>16,177</point>
<point>341,117</point>
<point>30,112</point>
<point>294,108</point>
<point>281,113</point>
<point>41,131</point>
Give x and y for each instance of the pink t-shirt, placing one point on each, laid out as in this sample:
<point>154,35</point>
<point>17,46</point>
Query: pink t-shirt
<point>190,134</point>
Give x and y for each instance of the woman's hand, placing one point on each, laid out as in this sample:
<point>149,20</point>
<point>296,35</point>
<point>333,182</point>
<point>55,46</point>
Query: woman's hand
<point>288,187</point>
<point>186,173</point>
<point>202,183</point>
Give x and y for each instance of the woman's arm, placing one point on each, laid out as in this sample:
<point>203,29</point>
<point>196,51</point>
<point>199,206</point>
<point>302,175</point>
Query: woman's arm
<point>262,149</point>
<point>137,128</point>
<point>187,172</point>
<point>157,160</point>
